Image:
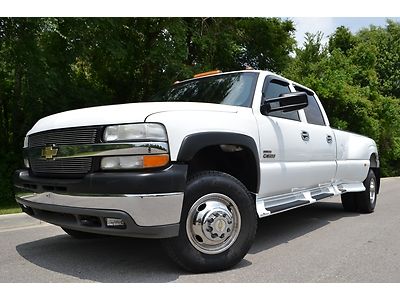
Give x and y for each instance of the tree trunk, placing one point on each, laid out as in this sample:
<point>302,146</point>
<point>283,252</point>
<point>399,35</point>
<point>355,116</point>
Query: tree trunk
<point>16,103</point>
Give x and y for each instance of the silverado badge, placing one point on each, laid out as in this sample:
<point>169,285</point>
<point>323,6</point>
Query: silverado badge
<point>49,152</point>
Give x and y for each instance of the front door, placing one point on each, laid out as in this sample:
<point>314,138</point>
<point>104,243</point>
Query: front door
<point>285,149</point>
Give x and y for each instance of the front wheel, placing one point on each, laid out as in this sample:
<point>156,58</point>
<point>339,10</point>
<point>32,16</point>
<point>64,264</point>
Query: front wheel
<point>218,224</point>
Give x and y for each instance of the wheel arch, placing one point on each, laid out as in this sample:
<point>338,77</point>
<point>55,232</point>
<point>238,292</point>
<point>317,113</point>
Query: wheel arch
<point>197,143</point>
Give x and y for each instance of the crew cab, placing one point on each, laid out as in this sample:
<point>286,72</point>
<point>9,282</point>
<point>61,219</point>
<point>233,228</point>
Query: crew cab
<point>196,166</point>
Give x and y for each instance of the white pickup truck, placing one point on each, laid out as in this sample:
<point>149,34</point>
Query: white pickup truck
<point>197,165</point>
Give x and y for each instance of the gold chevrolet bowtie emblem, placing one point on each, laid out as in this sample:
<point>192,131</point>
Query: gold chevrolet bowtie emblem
<point>49,152</point>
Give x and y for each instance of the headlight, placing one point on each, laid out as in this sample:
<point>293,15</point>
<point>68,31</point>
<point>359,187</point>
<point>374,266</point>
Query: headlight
<point>26,160</point>
<point>131,132</point>
<point>134,162</point>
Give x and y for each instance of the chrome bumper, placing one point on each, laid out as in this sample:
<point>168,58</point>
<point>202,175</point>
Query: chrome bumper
<point>146,216</point>
<point>145,210</point>
<point>149,202</point>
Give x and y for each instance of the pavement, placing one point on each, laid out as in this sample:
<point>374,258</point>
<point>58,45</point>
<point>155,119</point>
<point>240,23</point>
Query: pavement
<point>316,243</point>
<point>13,221</point>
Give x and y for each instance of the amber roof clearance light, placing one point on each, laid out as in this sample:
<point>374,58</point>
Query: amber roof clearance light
<point>207,73</point>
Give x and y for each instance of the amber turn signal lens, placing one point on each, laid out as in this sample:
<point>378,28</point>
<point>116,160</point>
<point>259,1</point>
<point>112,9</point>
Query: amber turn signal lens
<point>152,161</point>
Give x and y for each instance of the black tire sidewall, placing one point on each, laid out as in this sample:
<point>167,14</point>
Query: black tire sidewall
<point>349,202</point>
<point>215,182</point>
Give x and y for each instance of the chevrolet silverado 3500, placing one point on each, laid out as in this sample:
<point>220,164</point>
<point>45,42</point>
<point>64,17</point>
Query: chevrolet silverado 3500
<point>196,166</point>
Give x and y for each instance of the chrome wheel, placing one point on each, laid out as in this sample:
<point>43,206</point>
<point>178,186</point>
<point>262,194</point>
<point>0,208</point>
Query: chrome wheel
<point>213,223</point>
<point>372,190</point>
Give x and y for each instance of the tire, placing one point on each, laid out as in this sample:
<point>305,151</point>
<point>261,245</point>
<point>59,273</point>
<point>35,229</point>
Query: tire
<point>218,224</point>
<point>80,234</point>
<point>363,202</point>
<point>349,202</point>
<point>366,201</point>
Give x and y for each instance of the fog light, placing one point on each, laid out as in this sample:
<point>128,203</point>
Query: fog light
<point>115,223</point>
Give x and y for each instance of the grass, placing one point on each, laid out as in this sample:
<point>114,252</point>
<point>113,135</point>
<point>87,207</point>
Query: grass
<point>8,205</point>
<point>10,210</point>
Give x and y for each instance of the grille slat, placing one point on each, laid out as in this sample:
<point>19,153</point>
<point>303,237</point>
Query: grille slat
<point>66,136</point>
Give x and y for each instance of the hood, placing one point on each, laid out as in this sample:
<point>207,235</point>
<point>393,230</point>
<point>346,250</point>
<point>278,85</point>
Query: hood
<point>121,113</point>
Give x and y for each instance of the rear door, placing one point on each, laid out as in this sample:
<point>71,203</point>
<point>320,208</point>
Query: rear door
<point>321,143</point>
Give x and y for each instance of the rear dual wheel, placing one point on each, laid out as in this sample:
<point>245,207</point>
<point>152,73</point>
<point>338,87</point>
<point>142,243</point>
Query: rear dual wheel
<point>363,202</point>
<point>218,225</point>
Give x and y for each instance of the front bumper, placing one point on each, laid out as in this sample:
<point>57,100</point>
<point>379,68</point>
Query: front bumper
<point>149,203</point>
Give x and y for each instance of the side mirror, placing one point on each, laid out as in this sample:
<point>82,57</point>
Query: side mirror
<point>285,103</point>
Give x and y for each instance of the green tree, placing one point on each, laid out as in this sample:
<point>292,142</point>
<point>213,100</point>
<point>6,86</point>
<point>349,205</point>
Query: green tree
<point>387,43</point>
<point>266,43</point>
<point>342,39</point>
<point>357,92</point>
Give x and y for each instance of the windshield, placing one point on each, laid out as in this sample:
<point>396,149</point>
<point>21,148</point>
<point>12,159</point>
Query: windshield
<point>230,89</point>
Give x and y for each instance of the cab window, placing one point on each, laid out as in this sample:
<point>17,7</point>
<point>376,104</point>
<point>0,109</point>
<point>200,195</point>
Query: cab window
<point>312,111</point>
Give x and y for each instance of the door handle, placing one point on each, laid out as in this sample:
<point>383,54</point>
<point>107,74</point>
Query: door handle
<point>329,139</point>
<point>305,136</point>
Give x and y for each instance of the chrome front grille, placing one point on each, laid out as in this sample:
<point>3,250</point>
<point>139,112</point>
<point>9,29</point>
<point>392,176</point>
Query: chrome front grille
<point>67,136</point>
